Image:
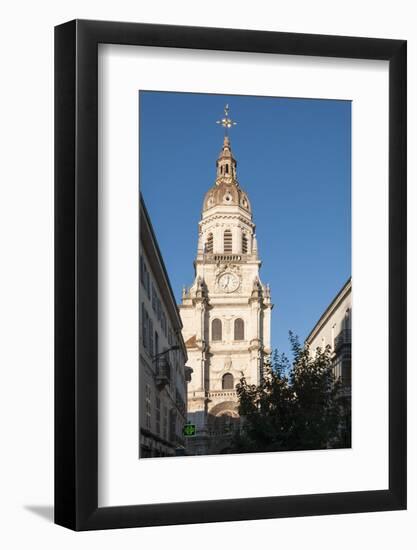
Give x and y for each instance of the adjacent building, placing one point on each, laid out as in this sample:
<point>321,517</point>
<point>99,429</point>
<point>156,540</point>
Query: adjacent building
<point>163,374</point>
<point>334,328</point>
<point>226,312</point>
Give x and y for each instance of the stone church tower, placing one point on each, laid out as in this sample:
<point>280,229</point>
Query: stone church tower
<point>226,313</point>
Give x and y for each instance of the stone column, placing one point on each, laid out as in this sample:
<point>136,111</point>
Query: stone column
<point>236,240</point>
<point>267,329</point>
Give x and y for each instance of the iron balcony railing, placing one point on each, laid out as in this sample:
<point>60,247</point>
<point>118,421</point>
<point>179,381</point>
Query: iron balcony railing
<point>163,371</point>
<point>344,338</point>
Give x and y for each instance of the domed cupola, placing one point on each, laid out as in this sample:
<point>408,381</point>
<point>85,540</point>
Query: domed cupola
<point>226,194</point>
<point>226,190</point>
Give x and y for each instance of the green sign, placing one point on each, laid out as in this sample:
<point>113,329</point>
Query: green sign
<point>189,430</point>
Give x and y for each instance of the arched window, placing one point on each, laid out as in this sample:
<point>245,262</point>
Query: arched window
<point>209,243</point>
<point>347,321</point>
<point>216,329</point>
<point>227,381</point>
<point>239,329</point>
<point>227,241</point>
<point>244,244</point>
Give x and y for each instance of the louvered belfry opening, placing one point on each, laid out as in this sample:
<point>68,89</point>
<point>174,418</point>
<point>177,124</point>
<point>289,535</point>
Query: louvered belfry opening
<point>209,243</point>
<point>228,241</point>
<point>244,244</point>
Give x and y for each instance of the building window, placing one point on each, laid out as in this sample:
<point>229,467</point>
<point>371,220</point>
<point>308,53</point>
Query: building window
<point>148,406</point>
<point>156,343</point>
<point>144,277</point>
<point>150,336</point>
<point>164,323</point>
<point>244,244</point>
<point>165,423</point>
<point>227,381</point>
<point>343,368</point>
<point>142,270</point>
<point>158,308</point>
<point>346,372</point>
<point>145,323</point>
<point>227,241</point>
<point>227,168</point>
<point>154,297</point>
<point>209,243</point>
<point>347,321</point>
<point>158,414</point>
<point>216,329</point>
<point>239,329</point>
<point>148,284</point>
<point>172,425</point>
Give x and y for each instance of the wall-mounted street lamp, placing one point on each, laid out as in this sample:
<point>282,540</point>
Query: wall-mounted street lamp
<point>172,348</point>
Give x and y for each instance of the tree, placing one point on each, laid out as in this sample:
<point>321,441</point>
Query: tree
<point>296,406</point>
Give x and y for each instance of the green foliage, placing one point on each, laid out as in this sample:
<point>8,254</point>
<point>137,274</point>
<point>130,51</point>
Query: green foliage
<point>296,406</point>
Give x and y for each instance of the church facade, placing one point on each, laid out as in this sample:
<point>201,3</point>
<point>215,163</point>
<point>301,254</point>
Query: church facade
<point>226,313</point>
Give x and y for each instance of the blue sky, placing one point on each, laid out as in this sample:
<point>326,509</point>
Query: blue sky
<point>294,161</point>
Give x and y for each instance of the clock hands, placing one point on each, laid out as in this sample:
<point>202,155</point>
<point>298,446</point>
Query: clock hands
<point>228,282</point>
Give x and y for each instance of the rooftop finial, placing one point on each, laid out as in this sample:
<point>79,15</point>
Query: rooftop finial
<point>226,121</point>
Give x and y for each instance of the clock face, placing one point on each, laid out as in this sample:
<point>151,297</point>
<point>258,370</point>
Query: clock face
<point>228,282</point>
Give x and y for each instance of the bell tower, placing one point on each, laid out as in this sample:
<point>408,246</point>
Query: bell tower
<point>226,313</point>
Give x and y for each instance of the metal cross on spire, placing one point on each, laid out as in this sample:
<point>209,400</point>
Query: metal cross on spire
<point>226,121</point>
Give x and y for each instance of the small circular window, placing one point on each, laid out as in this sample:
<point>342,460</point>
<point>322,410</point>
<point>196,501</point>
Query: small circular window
<point>228,197</point>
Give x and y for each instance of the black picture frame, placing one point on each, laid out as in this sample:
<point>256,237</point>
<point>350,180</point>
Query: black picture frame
<point>76,272</point>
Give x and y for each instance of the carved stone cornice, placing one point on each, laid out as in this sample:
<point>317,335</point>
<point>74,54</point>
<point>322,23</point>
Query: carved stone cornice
<point>230,216</point>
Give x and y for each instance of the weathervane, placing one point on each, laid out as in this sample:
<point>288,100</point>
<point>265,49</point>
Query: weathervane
<point>226,121</point>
